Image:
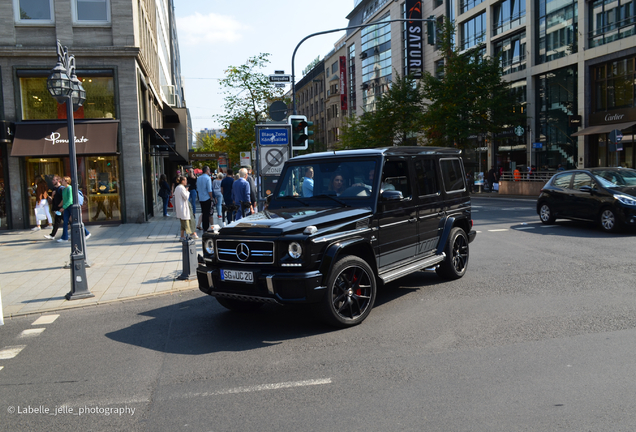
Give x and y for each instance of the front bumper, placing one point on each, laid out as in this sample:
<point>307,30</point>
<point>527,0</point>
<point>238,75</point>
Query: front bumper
<point>269,286</point>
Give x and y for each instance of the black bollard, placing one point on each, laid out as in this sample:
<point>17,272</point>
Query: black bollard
<point>189,253</point>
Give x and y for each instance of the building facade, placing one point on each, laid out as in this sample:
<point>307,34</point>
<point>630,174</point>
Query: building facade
<point>310,102</point>
<point>572,63</point>
<point>132,127</point>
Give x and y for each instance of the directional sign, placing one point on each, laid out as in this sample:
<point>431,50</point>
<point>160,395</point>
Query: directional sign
<point>280,78</point>
<point>279,85</point>
<point>272,159</point>
<point>273,136</point>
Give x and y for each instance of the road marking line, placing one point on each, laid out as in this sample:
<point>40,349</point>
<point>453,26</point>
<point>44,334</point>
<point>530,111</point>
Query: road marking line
<point>31,332</point>
<point>1,367</point>
<point>256,388</point>
<point>498,230</point>
<point>11,351</point>
<point>45,319</point>
<point>107,402</point>
<point>549,226</point>
<point>524,228</point>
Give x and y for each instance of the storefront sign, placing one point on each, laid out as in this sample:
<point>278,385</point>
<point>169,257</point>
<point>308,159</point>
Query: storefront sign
<point>202,155</point>
<point>575,120</point>
<point>51,139</point>
<point>414,40</point>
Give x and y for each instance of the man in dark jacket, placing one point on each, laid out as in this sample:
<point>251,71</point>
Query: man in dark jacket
<point>226,190</point>
<point>253,191</point>
<point>56,206</point>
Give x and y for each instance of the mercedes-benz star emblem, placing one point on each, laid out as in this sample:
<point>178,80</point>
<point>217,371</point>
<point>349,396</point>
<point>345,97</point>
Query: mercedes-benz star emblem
<point>242,252</point>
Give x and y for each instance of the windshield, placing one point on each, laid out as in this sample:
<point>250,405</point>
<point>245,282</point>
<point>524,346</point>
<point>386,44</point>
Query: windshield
<point>311,181</point>
<point>617,178</point>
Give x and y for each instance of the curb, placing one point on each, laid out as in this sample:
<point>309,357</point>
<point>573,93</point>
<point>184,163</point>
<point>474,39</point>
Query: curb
<point>101,303</point>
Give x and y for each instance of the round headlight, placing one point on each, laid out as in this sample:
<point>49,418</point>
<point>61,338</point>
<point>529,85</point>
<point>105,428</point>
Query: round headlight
<point>209,247</point>
<point>295,250</point>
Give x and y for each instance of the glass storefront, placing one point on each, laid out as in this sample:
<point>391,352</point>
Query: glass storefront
<point>98,179</point>
<point>3,193</point>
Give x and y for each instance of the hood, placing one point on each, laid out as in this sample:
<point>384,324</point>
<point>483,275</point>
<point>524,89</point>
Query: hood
<point>294,221</point>
<point>627,190</point>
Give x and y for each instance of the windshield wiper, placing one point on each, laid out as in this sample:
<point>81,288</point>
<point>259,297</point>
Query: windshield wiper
<point>331,197</point>
<point>306,204</point>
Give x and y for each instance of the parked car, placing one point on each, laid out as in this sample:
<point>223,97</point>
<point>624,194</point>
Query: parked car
<point>603,195</point>
<point>339,224</point>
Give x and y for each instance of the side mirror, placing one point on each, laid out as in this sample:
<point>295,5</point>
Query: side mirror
<point>587,189</point>
<point>268,198</point>
<point>391,195</point>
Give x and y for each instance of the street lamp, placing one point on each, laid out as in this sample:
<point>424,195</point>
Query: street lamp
<point>65,87</point>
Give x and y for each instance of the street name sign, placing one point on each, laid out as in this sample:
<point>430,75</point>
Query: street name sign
<point>273,136</point>
<point>280,78</point>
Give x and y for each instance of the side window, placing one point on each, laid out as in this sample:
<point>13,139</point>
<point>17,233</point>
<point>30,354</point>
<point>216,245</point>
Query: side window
<point>562,180</point>
<point>395,176</point>
<point>580,180</point>
<point>426,178</point>
<point>452,175</point>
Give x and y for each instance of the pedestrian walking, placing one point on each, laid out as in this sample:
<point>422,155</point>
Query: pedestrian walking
<point>192,188</point>
<point>204,188</point>
<point>226,190</point>
<point>41,205</point>
<point>218,196</point>
<point>67,203</point>
<point>56,206</point>
<point>182,207</point>
<point>164,193</point>
<point>253,192</point>
<point>241,194</point>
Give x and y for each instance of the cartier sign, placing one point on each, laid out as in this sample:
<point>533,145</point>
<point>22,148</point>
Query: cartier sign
<point>603,118</point>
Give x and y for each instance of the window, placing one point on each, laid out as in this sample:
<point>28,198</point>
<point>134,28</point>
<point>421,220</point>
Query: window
<point>580,180</point>
<point>563,180</point>
<point>33,11</point>
<point>614,85</point>
<point>558,29</point>
<point>452,175</point>
<point>426,179</point>
<point>466,5</point>
<point>91,11</point>
<point>395,176</point>
<point>509,14</point>
<point>513,53</point>
<point>473,31</point>
<point>37,103</point>
<point>610,21</point>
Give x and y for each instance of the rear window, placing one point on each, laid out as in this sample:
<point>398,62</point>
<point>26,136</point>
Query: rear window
<point>452,174</point>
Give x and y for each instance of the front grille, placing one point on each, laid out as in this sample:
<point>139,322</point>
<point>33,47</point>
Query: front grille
<point>245,251</point>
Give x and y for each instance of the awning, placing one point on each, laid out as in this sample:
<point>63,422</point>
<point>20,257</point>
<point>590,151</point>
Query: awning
<point>592,130</point>
<point>51,138</point>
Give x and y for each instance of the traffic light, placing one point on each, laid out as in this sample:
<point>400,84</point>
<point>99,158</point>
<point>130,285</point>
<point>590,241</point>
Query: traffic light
<point>300,132</point>
<point>430,30</point>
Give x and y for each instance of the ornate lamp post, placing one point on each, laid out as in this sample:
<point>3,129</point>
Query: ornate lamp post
<point>65,87</point>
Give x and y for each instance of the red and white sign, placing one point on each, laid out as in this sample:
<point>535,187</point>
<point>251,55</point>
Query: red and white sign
<point>343,84</point>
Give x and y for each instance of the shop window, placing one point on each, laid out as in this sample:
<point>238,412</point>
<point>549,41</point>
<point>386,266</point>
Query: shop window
<point>91,11</point>
<point>33,11</point>
<point>103,188</point>
<point>37,103</point>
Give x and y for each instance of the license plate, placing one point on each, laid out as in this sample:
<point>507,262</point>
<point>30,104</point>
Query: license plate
<point>237,276</point>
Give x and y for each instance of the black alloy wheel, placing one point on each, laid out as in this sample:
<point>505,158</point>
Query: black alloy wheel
<point>351,292</point>
<point>545,214</point>
<point>456,262</point>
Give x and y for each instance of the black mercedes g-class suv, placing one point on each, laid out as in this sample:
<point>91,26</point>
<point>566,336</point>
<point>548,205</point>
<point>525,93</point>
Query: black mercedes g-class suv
<point>340,223</point>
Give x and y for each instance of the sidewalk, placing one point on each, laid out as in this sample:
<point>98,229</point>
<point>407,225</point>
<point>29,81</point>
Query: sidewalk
<point>128,261</point>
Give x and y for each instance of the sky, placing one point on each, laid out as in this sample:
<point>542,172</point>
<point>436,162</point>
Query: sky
<point>220,33</point>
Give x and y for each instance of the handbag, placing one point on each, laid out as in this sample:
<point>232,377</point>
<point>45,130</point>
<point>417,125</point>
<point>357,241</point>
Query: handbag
<point>40,213</point>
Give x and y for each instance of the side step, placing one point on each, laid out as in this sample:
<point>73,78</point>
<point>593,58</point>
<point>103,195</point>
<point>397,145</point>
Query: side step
<point>397,273</point>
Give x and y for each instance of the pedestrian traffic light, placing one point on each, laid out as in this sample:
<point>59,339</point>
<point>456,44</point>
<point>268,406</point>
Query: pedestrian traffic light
<point>300,132</point>
<point>430,29</point>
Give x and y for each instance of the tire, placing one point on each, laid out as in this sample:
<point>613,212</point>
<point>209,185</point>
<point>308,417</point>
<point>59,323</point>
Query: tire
<point>239,305</point>
<point>456,262</point>
<point>608,220</point>
<point>351,293</point>
<point>545,214</point>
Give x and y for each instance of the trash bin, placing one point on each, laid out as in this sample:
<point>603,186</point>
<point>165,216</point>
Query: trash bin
<point>189,257</point>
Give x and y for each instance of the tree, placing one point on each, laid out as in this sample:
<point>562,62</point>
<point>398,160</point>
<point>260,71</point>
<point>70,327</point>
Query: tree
<point>468,98</point>
<point>248,93</point>
<point>396,120</point>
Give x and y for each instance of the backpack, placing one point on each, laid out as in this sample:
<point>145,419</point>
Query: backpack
<point>80,197</point>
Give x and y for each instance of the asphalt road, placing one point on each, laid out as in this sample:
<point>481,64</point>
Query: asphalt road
<point>539,335</point>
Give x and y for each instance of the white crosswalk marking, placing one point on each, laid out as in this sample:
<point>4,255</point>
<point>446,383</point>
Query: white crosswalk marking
<point>498,230</point>
<point>11,351</point>
<point>524,228</point>
<point>1,367</point>
<point>31,332</point>
<point>45,319</point>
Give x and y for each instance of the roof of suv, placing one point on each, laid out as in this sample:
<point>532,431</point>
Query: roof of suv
<point>387,151</point>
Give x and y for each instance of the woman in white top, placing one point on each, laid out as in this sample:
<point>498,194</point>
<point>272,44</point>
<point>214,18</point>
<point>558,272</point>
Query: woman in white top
<point>182,207</point>
<point>42,205</point>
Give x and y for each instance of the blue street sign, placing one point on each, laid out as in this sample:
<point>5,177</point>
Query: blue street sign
<point>537,145</point>
<point>273,136</point>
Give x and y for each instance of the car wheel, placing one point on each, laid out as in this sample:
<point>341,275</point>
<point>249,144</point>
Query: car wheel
<point>351,292</point>
<point>545,214</point>
<point>608,220</point>
<point>456,261</point>
<point>239,305</point>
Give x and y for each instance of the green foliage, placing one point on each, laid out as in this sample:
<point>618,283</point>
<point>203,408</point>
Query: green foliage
<point>247,94</point>
<point>469,98</point>
<point>311,65</point>
<point>396,120</point>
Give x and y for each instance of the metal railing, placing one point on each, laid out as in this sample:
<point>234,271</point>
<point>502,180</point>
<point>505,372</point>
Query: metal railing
<point>537,176</point>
